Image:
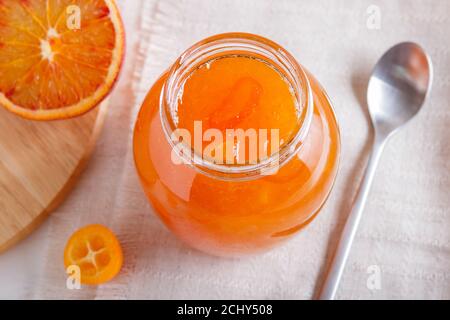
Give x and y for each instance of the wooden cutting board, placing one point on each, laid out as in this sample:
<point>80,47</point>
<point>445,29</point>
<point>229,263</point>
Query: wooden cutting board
<point>39,164</point>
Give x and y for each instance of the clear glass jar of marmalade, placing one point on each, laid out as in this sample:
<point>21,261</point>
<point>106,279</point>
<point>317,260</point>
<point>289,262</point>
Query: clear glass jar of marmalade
<point>249,204</point>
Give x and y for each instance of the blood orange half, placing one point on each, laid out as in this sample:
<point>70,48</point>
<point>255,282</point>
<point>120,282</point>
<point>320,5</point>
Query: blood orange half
<point>58,58</point>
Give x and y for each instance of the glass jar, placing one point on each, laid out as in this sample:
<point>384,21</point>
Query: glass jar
<point>231,210</point>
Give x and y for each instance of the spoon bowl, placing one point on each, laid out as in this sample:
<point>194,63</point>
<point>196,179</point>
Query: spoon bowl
<point>398,87</point>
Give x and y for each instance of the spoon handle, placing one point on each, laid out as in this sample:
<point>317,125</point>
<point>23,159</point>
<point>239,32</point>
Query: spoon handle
<point>334,275</point>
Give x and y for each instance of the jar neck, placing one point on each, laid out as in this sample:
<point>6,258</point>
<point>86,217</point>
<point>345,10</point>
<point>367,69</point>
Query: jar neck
<point>236,44</point>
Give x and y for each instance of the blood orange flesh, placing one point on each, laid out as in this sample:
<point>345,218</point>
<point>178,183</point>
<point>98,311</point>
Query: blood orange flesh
<point>58,58</point>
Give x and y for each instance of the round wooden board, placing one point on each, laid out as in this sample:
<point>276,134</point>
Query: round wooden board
<point>39,163</point>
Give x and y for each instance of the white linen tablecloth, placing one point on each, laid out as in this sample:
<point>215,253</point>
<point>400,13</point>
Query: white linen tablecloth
<point>405,231</point>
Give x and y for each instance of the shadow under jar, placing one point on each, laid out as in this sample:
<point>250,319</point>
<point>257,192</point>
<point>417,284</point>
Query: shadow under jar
<point>242,81</point>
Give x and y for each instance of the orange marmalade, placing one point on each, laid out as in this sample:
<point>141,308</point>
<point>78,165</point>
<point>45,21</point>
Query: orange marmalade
<point>238,92</point>
<point>274,184</point>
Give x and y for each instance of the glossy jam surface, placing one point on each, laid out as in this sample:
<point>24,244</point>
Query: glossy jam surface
<point>231,218</point>
<point>238,92</point>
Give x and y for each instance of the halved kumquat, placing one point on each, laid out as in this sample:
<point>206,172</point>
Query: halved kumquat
<point>97,252</point>
<point>58,58</point>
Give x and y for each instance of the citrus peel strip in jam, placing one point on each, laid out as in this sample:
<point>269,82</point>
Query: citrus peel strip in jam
<point>241,103</point>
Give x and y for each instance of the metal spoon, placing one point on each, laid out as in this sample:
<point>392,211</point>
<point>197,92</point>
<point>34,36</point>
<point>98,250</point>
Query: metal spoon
<point>397,90</point>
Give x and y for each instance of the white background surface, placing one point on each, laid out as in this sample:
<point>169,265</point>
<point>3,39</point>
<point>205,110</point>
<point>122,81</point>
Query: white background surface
<point>406,226</point>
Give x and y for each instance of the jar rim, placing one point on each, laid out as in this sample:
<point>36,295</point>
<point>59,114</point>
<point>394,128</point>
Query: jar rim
<point>219,45</point>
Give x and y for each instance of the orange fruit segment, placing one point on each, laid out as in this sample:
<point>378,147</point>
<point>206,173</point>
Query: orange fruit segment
<point>58,58</point>
<point>96,251</point>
